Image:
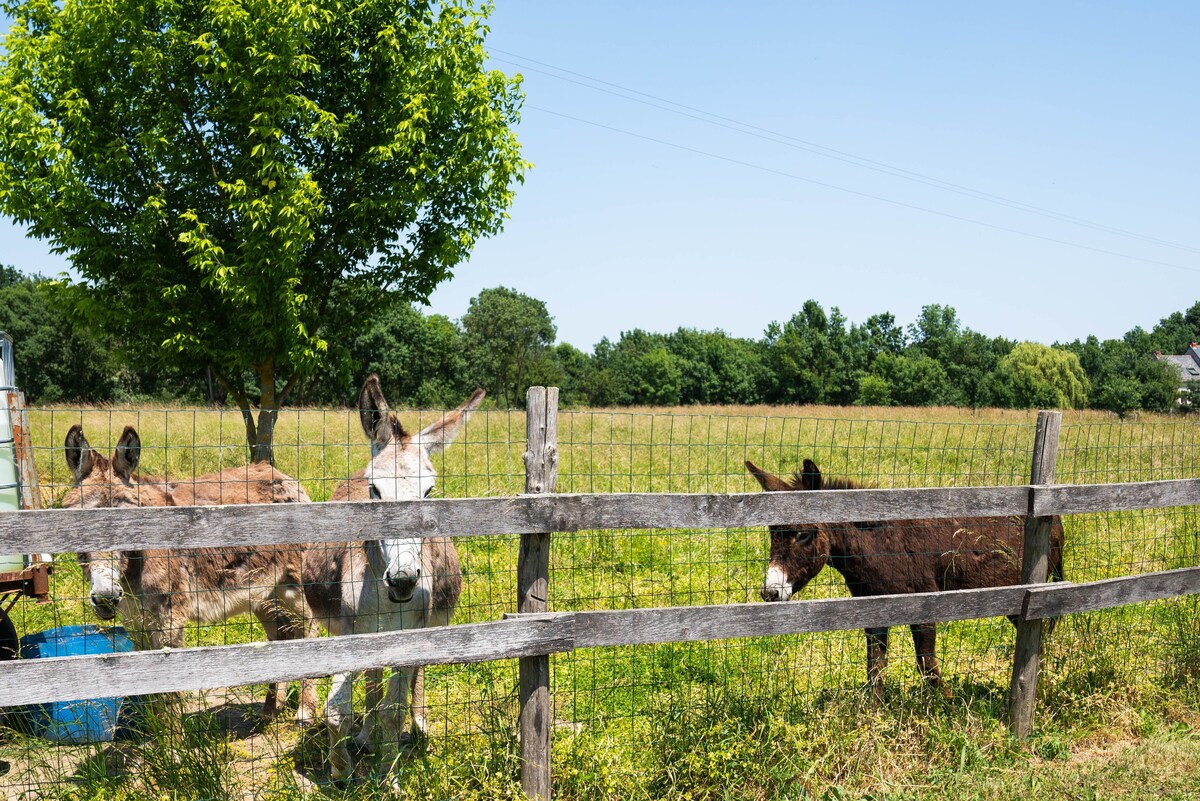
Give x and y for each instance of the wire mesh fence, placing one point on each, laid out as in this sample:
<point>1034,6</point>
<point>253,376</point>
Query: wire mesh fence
<point>628,721</point>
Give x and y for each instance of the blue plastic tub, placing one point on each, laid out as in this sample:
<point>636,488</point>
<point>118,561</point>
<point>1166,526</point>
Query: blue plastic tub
<point>93,720</point>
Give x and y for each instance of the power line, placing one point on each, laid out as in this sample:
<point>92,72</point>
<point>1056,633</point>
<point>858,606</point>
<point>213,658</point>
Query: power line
<point>814,148</point>
<point>858,193</point>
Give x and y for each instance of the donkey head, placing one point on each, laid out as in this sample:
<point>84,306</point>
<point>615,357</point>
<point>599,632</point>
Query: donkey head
<point>798,552</point>
<point>101,482</point>
<point>401,470</point>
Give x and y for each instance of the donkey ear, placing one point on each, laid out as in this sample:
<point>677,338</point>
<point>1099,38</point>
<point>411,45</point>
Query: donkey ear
<point>811,477</point>
<point>128,453</point>
<point>769,482</point>
<point>373,412</point>
<point>78,453</point>
<point>441,433</point>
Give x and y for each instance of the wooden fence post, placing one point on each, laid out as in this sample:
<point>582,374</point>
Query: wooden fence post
<point>1034,568</point>
<point>533,582</point>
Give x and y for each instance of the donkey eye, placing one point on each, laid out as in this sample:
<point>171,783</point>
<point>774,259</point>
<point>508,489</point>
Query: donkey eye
<point>374,493</point>
<point>428,492</point>
<point>805,537</point>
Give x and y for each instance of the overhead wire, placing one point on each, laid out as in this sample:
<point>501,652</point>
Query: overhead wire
<point>862,194</point>
<point>788,140</point>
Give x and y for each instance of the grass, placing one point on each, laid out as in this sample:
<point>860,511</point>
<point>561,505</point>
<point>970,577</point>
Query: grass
<point>774,718</point>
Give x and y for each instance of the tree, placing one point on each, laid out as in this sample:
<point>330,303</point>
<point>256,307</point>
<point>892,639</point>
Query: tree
<point>507,334</point>
<point>576,368</point>
<point>53,362</point>
<point>420,359</point>
<point>653,378</point>
<point>1126,376</point>
<point>238,183</point>
<point>1038,376</point>
<point>805,355</point>
<point>913,379</point>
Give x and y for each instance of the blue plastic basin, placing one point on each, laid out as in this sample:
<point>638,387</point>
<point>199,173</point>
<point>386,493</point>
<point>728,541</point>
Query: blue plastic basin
<point>92,720</point>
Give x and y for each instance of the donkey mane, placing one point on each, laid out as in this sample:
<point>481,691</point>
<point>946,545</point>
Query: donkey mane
<point>798,482</point>
<point>810,477</point>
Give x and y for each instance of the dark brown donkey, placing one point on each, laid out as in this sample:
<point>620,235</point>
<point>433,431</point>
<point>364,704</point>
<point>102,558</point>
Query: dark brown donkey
<point>886,557</point>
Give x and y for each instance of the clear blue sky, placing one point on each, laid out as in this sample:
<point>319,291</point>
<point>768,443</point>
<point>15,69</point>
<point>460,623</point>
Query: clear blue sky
<point>648,215</point>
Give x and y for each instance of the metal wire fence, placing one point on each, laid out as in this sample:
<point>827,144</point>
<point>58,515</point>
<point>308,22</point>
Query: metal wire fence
<point>622,716</point>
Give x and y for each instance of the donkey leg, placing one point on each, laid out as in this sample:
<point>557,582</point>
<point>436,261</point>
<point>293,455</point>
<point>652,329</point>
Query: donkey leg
<point>925,643</point>
<point>272,625</point>
<point>282,620</point>
<point>373,690</point>
<point>395,713</point>
<point>418,703</point>
<point>877,645</point>
<point>166,631</point>
<point>339,717</point>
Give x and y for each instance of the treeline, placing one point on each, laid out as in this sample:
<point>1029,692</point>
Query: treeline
<point>506,342</point>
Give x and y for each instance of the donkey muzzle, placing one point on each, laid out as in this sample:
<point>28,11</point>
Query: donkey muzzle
<point>105,606</point>
<point>400,588</point>
<point>776,587</point>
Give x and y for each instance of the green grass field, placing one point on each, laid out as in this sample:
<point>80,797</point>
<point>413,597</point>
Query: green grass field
<point>772,718</point>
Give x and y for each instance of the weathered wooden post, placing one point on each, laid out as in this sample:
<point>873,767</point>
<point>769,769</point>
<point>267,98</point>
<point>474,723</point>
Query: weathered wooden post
<point>533,583</point>
<point>1034,567</point>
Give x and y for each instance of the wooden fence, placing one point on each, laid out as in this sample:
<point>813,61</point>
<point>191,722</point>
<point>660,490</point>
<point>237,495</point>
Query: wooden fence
<point>533,633</point>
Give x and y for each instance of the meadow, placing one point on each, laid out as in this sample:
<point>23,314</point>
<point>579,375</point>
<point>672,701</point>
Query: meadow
<point>771,718</point>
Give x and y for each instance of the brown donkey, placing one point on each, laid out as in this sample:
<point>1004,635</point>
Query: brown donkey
<point>159,591</point>
<point>394,580</point>
<point>886,557</point>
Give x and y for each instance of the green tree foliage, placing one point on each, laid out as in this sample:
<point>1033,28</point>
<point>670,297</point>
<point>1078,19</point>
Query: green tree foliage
<point>419,358</point>
<point>430,361</point>
<point>53,361</point>
<point>873,390</point>
<point>653,378</point>
<point>1177,331</point>
<point>576,370</point>
<point>1038,376</point>
<point>806,357</point>
<point>1125,378</point>
<point>915,379</point>
<point>239,183</point>
<point>508,337</point>
<point>717,368</point>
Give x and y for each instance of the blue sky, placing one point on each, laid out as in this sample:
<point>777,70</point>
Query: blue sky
<point>1033,165</point>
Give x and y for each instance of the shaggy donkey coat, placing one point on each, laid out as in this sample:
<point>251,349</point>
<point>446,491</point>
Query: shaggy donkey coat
<point>887,557</point>
<point>159,591</point>
<point>392,582</point>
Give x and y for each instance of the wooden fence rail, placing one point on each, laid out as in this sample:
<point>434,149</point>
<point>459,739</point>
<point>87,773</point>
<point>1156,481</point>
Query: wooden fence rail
<point>71,530</point>
<point>525,635</point>
<point>533,633</point>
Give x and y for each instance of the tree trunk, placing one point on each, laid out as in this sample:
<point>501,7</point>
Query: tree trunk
<point>260,435</point>
<point>261,450</point>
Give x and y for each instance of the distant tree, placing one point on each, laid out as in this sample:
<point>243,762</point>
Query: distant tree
<point>873,390</point>
<point>1176,332</point>
<point>1119,394</point>
<point>576,368</point>
<point>806,355</point>
<point>1038,376</point>
<point>222,175</point>
<point>716,367</point>
<point>1126,376</point>
<point>602,383</point>
<point>915,379</point>
<point>419,358</point>
<point>508,336</point>
<point>53,360</point>
<point>653,378</point>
